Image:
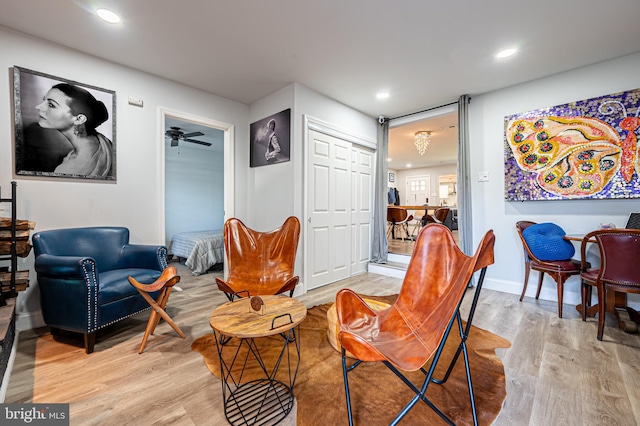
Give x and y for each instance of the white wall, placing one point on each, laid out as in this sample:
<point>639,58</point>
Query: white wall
<point>194,189</point>
<point>434,174</point>
<point>277,191</point>
<point>131,201</point>
<point>491,211</point>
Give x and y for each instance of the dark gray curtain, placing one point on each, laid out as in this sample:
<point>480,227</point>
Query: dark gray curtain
<point>464,179</point>
<point>380,249</point>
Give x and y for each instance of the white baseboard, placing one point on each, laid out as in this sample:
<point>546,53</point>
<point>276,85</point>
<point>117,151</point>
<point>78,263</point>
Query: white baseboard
<point>7,373</point>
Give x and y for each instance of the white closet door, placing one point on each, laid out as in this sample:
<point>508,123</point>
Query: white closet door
<point>329,227</point>
<point>362,167</point>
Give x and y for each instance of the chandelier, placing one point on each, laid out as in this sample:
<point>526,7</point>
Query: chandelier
<point>421,140</point>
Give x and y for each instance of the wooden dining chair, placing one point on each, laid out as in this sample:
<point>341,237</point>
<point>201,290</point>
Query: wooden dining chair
<point>163,285</point>
<point>398,218</point>
<point>558,270</point>
<point>588,276</point>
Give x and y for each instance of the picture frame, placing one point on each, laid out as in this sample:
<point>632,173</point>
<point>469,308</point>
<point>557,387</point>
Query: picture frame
<point>270,141</point>
<point>63,128</point>
<point>392,177</point>
<point>583,149</point>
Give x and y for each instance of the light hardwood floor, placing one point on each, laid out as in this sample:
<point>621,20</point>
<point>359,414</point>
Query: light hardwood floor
<point>557,372</point>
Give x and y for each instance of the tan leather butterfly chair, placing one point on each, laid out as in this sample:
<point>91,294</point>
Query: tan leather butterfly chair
<point>416,326</point>
<point>260,263</point>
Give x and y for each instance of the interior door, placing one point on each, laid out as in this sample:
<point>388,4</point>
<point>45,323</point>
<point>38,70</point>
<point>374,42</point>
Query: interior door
<point>362,168</point>
<point>418,190</point>
<point>329,227</point>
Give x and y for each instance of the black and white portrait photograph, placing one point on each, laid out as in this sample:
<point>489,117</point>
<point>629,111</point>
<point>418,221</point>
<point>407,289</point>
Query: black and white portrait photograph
<point>270,139</point>
<point>63,128</point>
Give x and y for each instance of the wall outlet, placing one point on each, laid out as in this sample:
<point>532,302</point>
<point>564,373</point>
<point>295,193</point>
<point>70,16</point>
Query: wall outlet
<point>135,101</point>
<point>483,176</point>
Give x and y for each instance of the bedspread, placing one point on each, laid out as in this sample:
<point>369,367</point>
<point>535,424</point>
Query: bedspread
<point>202,249</point>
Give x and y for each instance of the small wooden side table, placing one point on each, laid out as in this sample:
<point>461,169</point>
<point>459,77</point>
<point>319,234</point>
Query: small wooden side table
<point>266,400</point>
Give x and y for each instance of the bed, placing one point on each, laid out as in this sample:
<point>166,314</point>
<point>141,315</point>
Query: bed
<point>201,249</point>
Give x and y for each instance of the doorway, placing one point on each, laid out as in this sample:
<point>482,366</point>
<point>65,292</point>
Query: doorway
<point>196,182</point>
<point>419,175</point>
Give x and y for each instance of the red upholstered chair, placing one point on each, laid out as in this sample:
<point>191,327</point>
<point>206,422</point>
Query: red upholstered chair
<point>619,254</point>
<point>415,328</point>
<point>260,263</point>
<point>559,270</point>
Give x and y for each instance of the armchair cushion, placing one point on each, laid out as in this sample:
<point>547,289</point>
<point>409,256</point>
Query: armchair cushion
<point>546,242</point>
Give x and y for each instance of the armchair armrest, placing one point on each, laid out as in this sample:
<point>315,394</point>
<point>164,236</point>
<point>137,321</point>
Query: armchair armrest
<point>143,256</point>
<point>63,266</point>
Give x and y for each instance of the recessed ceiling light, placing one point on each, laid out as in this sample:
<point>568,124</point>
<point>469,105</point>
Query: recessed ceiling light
<point>409,165</point>
<point>388,159</point>
<point>108,16</point>
<point>382,95</point>
<point>506,53</point>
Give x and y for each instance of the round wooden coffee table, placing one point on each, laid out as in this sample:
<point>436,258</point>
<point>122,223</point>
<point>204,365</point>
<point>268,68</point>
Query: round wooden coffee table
<point>267,399</point>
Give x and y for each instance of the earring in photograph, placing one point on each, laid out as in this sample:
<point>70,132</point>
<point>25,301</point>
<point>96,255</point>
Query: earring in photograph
<point>76,131</point>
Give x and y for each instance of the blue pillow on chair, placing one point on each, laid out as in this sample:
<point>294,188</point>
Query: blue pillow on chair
<point>546,243</point>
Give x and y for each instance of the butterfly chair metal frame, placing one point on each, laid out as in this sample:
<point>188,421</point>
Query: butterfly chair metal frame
<point>163,285</point>
<point>437,275</point>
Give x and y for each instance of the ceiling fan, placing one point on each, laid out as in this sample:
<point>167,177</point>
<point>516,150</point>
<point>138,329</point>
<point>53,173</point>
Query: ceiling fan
<point>176,134</point>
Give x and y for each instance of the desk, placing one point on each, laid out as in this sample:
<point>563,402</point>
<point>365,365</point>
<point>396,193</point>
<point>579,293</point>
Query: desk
<point>615,303</point>
<point>266,400</point>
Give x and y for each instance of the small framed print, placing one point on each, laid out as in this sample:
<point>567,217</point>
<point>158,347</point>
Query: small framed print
<point>392,177</point>
<point>270,139</point>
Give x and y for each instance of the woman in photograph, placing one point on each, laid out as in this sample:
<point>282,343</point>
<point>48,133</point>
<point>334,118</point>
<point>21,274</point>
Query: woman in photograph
<point>76,114</point>
<point>273,148</point>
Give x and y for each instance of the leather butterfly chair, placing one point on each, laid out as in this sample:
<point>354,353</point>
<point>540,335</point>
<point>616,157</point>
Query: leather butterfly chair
<point>619,254</point>
<point>415,328</point>
<point>485,259</point>
<point>260,263</point>
<point>559,270</point>
<point>398,217</point>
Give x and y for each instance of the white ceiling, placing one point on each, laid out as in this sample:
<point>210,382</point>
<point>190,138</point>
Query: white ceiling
<point>424,53</point>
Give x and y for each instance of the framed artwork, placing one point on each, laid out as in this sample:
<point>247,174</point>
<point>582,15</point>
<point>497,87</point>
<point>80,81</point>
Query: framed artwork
<point>581,150</point>
<point>270,139</point>
<point>63,129</point>
<point>392,177</point>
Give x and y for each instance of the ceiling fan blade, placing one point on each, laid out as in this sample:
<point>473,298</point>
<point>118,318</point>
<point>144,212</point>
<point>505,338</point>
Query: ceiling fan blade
<point>200,142</point>
<point>192,134</point>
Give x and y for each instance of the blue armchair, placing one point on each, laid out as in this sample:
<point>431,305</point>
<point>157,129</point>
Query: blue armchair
<point>82,274</point>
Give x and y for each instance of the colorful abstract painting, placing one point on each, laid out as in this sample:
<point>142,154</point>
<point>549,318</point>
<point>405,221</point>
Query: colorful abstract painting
<point>581,150</point>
